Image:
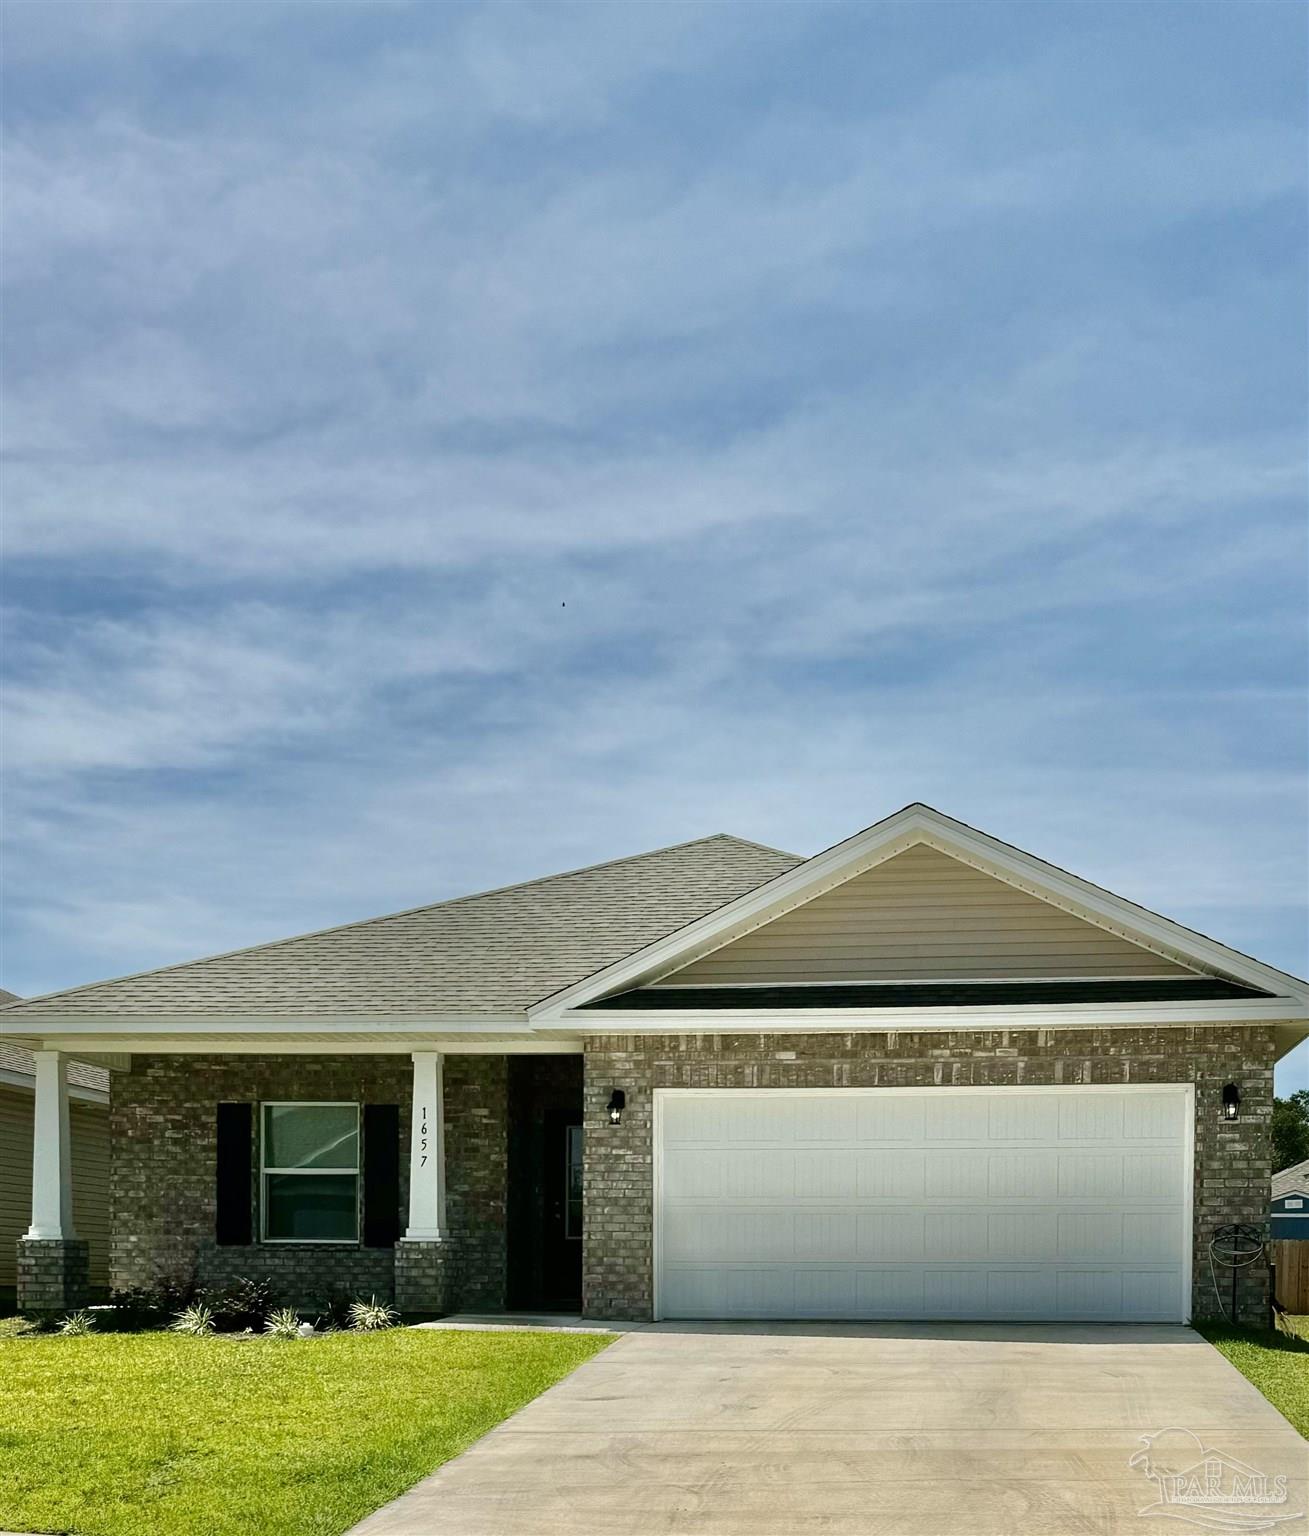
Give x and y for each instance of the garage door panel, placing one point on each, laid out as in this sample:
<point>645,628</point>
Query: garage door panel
<point>1021,1176</point>
<point>1021,1293</point>
<point>1004,1203</point>
<point>826,1175</point>
<point>890,1173</point>
<point>1090,1234</point>
<point>1151,1117</point>
<point>1152,1293</point>
<point>1023,1234</point>
<point>1089,1293</point>
<point>951,1175</point>
<point>826,1235</point>
<point>955,1234</point>
<point>825,1292</point>
<point>890,1234</point>
<point>955,1292</point>
<point>1151,1237</point>
<point>1154,1175</point>
<point>835,1120</point>
<point>965,1118</point>
<point>1090,1175</point>
<point>758,1174</point>
<point>889,1118</point>
<point>1090,1117</point>
<point>1017,1116</point>
<point>889,1293</point>
<point>692,1175</point>
<point>760,1293</point>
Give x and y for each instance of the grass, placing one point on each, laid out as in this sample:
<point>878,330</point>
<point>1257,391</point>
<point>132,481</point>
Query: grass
<point>1277,1363</point>
<point>153,1434</point>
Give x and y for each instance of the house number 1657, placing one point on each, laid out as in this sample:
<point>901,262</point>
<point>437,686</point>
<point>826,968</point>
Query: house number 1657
<point>422,1138</point>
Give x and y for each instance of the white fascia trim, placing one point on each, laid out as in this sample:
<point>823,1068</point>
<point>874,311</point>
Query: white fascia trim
<point>27,1083</point>
<point>36,1025</point>
<point>919,824</point>
<point>271,1045</point>
<point>783,1021</point>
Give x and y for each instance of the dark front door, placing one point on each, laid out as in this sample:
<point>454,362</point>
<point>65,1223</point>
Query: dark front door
<point>561,1257</point>
<point>545,1183</point>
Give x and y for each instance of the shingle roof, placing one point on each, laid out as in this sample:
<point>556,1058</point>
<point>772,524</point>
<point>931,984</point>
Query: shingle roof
<point>493,953</point>
<point>1292,1180</point>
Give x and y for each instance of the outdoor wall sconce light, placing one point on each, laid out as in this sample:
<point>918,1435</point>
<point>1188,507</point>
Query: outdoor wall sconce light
<point>617,1104</point>
<point>1231,1101</point>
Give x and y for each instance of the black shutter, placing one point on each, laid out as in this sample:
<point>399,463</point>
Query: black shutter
<point>381,1175</point>
<point>234,1204</point>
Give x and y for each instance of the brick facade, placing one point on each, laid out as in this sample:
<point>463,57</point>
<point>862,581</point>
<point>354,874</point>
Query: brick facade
<point>1232,1158</point>
<point>163,1160</point>
<point>54,1274</point>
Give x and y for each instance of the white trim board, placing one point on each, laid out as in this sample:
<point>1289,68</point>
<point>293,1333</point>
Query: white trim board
<point>660,1096</point>
<point>914,825</point>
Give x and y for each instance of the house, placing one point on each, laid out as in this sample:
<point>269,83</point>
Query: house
<point>920,1075</point>
<point>88,1092</point>
<point>1288,1211</point>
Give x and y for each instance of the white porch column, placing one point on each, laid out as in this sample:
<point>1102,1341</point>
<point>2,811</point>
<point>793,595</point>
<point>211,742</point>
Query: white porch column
<point>427,1152</point>
<point>52,1173</point>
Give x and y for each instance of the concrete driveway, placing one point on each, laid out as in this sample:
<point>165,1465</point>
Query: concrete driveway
<point>866,1430</point>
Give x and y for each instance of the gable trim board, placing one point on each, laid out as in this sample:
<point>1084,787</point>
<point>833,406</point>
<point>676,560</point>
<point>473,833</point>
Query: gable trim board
<point>921,825</point>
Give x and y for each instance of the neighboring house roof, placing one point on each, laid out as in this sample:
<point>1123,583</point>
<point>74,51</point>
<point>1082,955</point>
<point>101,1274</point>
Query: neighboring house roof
<point>1292,1181</point>
<point>492,953</point>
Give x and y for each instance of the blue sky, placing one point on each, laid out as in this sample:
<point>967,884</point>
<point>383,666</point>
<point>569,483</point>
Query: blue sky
<point>450,444</point>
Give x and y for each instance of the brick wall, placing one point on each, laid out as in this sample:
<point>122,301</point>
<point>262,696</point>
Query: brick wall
<point>1232,1159</point>
<point>162,1179</point>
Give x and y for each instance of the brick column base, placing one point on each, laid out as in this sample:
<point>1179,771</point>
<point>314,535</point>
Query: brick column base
<point>53,1274</point>
<point>427,1275</point>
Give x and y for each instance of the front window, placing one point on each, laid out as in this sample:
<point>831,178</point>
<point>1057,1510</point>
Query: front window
<point>309,1173</point>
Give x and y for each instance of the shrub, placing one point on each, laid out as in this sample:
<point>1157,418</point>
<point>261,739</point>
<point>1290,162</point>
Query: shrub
<point>333,1315</point>
<point>76,1325</point>
<point>18,1327</point>
<point>196,1319</point>
<point>147,1306</point>
<point>283,1324</point>
<point>245,1303</point>
<point>368,1316</point>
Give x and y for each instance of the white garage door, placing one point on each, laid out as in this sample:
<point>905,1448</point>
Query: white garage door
<point>1005,1203</point>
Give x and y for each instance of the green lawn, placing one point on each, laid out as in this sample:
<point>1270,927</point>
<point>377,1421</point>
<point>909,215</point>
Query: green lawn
<point>152,1434</point>
<point>1277,1363</point>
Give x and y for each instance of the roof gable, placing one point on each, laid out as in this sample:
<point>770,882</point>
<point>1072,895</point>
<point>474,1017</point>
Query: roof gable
<point>923,915</point>
<point>913,826</point>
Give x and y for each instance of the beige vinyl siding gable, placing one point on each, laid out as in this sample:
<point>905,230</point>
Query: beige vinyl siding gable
<point>923,915</point>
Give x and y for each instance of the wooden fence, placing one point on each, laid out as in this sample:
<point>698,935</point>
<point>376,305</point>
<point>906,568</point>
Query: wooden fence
<point>1292,1260</point>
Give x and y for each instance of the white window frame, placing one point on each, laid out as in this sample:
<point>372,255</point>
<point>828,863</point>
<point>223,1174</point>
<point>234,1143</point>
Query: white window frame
<point>264,1169</point>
